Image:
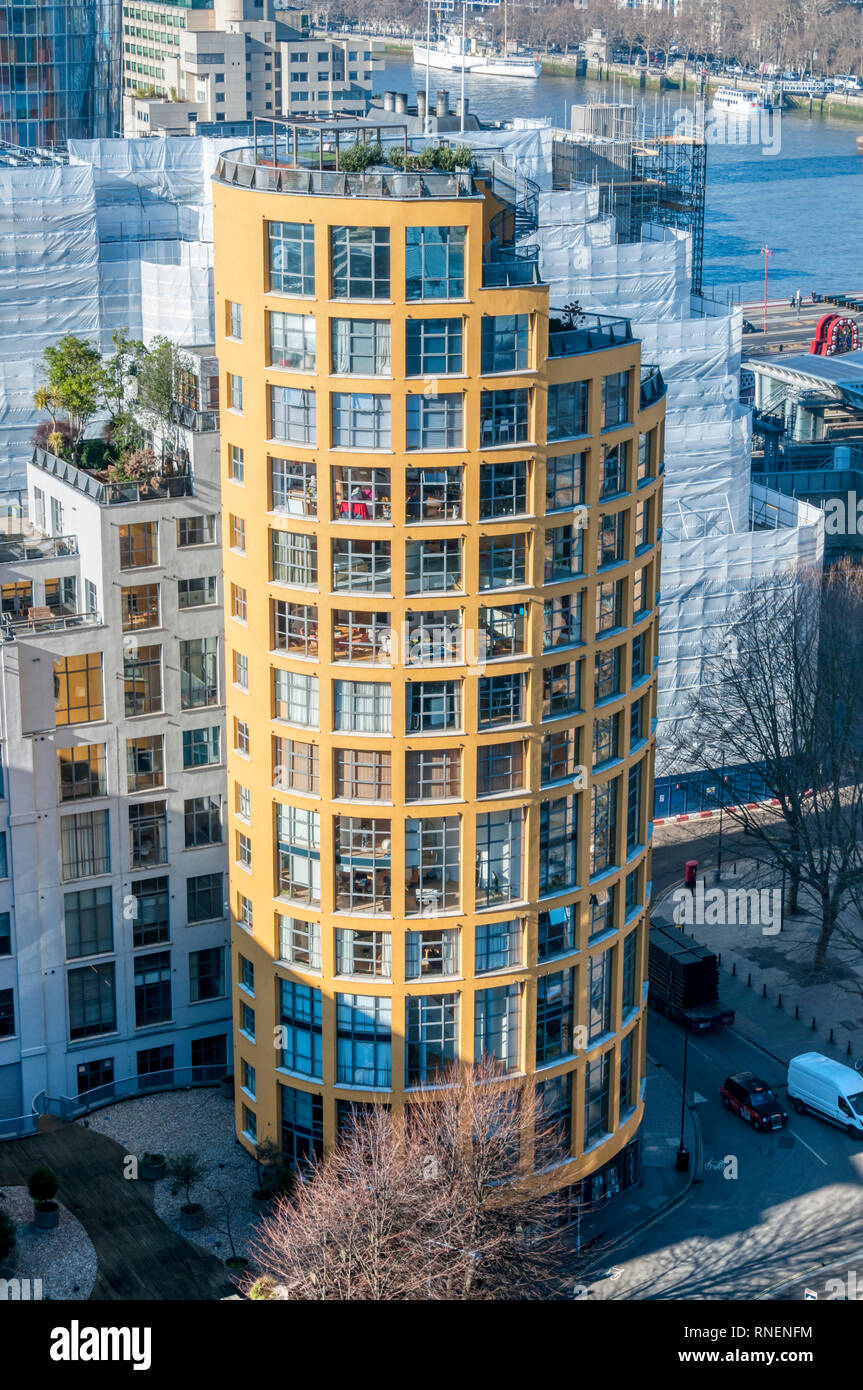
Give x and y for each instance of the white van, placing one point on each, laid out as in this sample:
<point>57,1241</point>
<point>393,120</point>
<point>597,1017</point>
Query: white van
<point>828,1089</point>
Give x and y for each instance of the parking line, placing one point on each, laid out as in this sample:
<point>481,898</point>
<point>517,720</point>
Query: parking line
<point>808,1146</point>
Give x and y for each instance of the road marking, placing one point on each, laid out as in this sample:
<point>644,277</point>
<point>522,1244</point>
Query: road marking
<point>808,1146</point>
<point>698,1098</point>
<point>705,1055</point>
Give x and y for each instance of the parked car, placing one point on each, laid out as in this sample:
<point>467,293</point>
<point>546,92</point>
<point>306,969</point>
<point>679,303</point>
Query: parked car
<point>828,1089</point>
<point>751,1098</point>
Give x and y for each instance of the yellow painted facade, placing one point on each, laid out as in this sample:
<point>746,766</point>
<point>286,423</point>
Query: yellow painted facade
<point>393,877</point>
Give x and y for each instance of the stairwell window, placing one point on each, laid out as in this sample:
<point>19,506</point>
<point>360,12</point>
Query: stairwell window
<point>360,262</point>
<point>434,262</point>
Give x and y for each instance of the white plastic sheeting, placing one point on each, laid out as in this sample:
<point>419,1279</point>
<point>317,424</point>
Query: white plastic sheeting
<point>120,238</point>
<point>711,553</point>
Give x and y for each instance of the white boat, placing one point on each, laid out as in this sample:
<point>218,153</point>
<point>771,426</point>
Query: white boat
<point>733,101</point>
<point>449,55</point>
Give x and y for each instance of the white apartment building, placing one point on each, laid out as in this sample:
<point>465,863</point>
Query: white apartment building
<point>114,962</point>
<point>232,60</point>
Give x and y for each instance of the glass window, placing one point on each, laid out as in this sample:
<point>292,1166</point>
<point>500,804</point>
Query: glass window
<point>196,530</point>
<point>505,342</point>
<point>81,772</point>
<point>239,602</point>
<point>360,421</point>
<point>300,942</point>
<point>609,606</point>
<point>433,347</point>
<point>88,917</point>
<point>203,821</point>
<point>596,1087</point>
<point>432,868</point>
<point>292,341</point>
<point>142,680</point>
<point>363,952</point>
<point>562,621</point>
<point>294,627</point>
<point>558,843</point>
<point>361,494</point>
<point>197,593</point>
<point>361,566</point>
<point>434,422</point>
<point>554,1003</point>
<point>498,945</point>
<point>291,257</point>
<point>500,700</point>
<point>295,558</point>
<point>362,774</point>
<point>298,837</point>
<point>139,545</point>
<point>629,983</point>
<point>235,391</point>
<point>85,845</point>
<point>360,262</point>
<point>642,523</point>
<point>433,494</point>
<point>432,566</point>
<point>497,1019</point>
<point>300,1029</point>
<point>561,689</point>
<point>139,607</point>
<point>601,912</point>
<point>199,672</point>
<point>606,739</point>
<point>560,755</point>
<point>148,834</point>
<point>152,989</point>
<point>564,482</point>
<point>363,1040</point>
<point>637,723</point>
<point>612,469</point>
<point>431,1037</point>
<point>207,974</point>
<point>611,539</point>
<point>5,934</point>
<point>599,979</point>
<point>564,552</point>
<point>498,857</point>
<point>204,898</point>
<point>607,674</point>
<point>500,767</point>
<point>502,561</point>
<point>503,489</point>
<point>567,410</point>
<point>633,806</point>
<point>292,414</point>
<point>236,464</point>
<point>151,923</point>
<point>557,931</point>
<point>433,774</point>
<point>78,689</point>
<point>302,1126</point>
<point>362,707</point>
<point>360,347</point>
<point>433,636</point>
<point>615,400</point>
<point>295,768</point>
<point>504,417</point>
<point>603,847</point>
<point>553,1131</point>
<point>434,262</point>
<point>502,630</point>
<point>293,487</point>
<point>202,747</point>
<point>235,320</point>
<point>626,1073</point>
<point>432,952</point>
<point>645,470</point>
<point>363,861</point>
<point>432,706</point>
<point>639,657</point>
<point>92,1001</point>
<point>145,763</point>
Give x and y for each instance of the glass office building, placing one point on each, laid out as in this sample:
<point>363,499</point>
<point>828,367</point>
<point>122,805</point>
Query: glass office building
<point>60,71</point>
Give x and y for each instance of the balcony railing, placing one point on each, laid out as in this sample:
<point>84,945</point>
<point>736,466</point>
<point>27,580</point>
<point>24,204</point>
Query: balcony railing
<point>238,167</point>
<point>109,494</point>
<point>38,548</point>
<point>199,421</point>
<point>10,627</point>
<point>592,333</point>
<point>652,385</point>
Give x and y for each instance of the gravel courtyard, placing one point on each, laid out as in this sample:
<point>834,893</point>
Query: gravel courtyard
<point>64,1259</point>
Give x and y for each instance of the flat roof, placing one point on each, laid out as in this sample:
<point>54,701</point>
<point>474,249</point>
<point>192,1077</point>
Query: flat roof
<point>845,369</point>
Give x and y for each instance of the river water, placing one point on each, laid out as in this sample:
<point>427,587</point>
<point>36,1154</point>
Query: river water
<point>804,200</point>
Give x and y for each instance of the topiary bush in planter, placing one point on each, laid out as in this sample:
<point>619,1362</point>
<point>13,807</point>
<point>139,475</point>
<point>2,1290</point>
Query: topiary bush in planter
<point>152,1167</point>
<point>42,1187</point>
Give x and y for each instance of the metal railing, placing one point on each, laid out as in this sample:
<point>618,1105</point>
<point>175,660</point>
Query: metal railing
<point>108,494</point>
<point>199,421</point>
<point>19,1126</point>
<point>10,627</point>
<point>38,547</point>
<point>332,183</point>
<point>592,333</point>
<point>125,1088</point>
<point>652,385</point>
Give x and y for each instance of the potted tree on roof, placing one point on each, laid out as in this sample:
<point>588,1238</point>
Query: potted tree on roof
<point>186,1170</point>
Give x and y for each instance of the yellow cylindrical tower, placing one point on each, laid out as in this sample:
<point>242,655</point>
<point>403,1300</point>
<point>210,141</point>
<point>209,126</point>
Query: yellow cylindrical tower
<point>440,510</point>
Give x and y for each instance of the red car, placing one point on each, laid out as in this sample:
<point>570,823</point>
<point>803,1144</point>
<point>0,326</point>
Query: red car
<point>752,1098</point>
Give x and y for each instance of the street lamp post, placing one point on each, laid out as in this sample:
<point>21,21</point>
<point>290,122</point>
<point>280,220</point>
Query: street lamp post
<point>765,252</point>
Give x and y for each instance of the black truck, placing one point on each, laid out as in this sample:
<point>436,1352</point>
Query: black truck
<point>684,980</point>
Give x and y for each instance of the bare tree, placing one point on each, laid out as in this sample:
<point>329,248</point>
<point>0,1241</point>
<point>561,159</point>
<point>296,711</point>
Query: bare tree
<point>438,1203</point>
<point>786,693</point>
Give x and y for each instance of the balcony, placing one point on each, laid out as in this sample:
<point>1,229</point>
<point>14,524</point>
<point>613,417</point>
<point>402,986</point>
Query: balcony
<point>511,272</point>
<point>105,493</point>
<point>590,333</point>
<point>39,621</point>
<point>37,547</point>
<point>652,386</point>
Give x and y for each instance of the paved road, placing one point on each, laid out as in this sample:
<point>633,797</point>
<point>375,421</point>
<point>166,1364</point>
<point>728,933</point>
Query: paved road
<point>795,1205</point>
